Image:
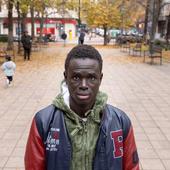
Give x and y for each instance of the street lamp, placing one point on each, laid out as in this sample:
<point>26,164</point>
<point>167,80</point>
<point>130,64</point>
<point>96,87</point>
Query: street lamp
<point>79,18</point>
<point>122,9</point>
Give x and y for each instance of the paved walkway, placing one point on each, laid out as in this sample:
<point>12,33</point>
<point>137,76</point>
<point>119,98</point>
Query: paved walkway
<point>142,90</point>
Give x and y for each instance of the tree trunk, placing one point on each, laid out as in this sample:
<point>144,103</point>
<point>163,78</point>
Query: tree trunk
<point>10,25</point>
<point>146,19</point>
<point>19,27</point>
<point>156,4</point>
<point>167,31</point>
<point>32,21</point>
<point>23,22</point>
<point>105,35</point>
<point>155,16</point>
<point>41,26</point>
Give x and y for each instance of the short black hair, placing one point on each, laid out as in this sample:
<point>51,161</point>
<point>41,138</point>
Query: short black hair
<point>8,58</point>
<point>83,52</point>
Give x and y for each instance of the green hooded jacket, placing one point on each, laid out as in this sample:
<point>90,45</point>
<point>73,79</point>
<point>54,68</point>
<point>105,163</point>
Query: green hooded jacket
<point>83,132</point>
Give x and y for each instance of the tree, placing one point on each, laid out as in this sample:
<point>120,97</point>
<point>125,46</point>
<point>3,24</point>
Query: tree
<point>10,25</point>
<point>103,14</point>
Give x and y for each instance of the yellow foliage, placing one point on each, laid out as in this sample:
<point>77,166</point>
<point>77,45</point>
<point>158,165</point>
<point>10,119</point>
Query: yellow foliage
<point>103,14</point>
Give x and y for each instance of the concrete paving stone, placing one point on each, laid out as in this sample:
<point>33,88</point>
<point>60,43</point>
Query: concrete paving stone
<point>148,124</point>
<point>20,122</point>
<point>167,164</point>
<point>6,150</point>
<point>3,160</point>
<point>163,153</point>
<point>15,162</point>
<point>138,129</point>
<point>141,136</point>
<point>147,153</point>
<point>18,152</point>
<point>22,142</point>
<point>168,136</point>
<point>162,117</point>
<point>150,130</point>
<point>19,129</point>
<point>9,116</point>
<point>12,135</point>
<point>163,123</point>
<point>152,164</point>
<point>144,144</point>
<point>143,116</point>
<point>157,136</point>
<point>13,169</point>
<point>159,144</point>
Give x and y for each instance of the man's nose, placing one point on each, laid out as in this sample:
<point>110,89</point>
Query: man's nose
<point>84,85</point>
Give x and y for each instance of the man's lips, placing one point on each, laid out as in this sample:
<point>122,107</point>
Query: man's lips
<point>83,96</point>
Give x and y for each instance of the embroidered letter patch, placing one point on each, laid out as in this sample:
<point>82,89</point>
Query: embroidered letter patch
<point>52,139</point>
<point>117,138</point>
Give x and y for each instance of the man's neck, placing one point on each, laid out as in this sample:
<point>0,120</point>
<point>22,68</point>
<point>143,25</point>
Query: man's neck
<point>80,110</point>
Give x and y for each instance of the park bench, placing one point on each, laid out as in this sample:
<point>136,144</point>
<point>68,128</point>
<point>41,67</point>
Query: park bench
<point>35,46</point>
<point>126,46</point>
<point>137,48</point>
<point>156,52</point>
<point>43,44</point>
<point>3,52</point>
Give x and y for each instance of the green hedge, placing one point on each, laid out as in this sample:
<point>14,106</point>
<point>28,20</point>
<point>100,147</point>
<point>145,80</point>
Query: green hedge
<point>162,44</point>
<point>3,38</point>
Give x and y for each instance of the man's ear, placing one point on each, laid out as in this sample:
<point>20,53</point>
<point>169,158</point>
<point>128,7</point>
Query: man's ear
<point>65,76</point>
<point>64,73</point>
<point>101,76</point>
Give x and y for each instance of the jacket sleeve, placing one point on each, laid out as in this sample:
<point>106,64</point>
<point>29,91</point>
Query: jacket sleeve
<point>35,152</point>
<point>130,156</point>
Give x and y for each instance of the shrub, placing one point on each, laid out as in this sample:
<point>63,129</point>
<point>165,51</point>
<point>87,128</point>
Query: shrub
<point>162,44</point>
<point>3,38</point>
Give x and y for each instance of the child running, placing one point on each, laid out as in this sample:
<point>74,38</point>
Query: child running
<point>9,68</point>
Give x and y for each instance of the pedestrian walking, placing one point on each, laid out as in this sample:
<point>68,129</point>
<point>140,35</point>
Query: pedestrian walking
<point>9,68</point>
<point>27,43</point>
<point>79,130</point>
<point>64,37</point>
<point>81,37</point>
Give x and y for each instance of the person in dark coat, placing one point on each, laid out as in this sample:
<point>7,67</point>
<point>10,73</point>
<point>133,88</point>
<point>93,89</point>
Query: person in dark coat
<point>27,43</point>
<point>81,37</point>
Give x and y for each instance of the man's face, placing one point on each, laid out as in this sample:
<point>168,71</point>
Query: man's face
<point>83,78</point>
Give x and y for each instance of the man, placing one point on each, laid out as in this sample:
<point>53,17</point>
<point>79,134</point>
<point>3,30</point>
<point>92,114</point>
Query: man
<point>26,42</point>
<point>79,131</point>
<point>81,37</point>
<point>64,37</point>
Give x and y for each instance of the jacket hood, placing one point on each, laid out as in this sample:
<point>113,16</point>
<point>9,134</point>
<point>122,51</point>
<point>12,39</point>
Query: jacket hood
<point>62,102</point>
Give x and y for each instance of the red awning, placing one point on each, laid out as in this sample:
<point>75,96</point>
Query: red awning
<point>46,31</point>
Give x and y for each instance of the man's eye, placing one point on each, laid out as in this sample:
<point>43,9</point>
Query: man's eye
<point>76,78</point>
<point>92,78</point>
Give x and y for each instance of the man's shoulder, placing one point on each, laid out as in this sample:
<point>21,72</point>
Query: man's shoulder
<point>45,112</point>
<point>113,111</point>
<point>119,117</point>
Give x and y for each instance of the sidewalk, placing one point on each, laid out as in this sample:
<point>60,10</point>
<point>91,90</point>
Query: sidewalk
<point>140,89</point>
<point>97,40</point>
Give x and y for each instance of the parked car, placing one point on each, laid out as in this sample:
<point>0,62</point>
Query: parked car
<point>16,38</point>
<point>114,32</point>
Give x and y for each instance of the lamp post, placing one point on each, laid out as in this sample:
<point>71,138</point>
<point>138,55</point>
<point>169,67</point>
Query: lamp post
<point>122,9</point>
<point>79,10</point>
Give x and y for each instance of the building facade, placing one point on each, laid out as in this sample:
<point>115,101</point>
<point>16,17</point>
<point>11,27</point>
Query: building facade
<point>164,20</point>
<point>54,23</point>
